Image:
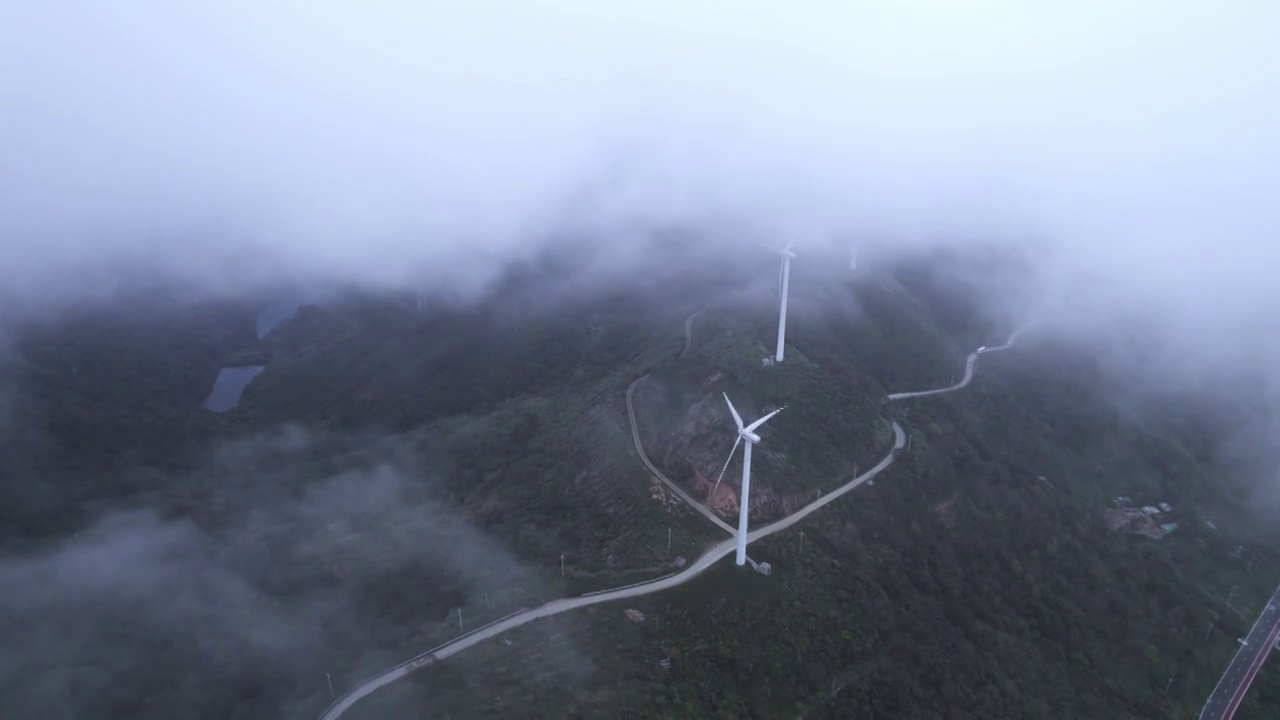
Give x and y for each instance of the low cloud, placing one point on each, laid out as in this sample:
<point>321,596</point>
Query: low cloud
<point>1130,152</point>
<point>272,580</point>
<point>388,142</point>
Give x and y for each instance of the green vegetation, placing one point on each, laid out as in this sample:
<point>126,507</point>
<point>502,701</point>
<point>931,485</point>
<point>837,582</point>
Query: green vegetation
<point>960,581</point>
<point>99,396</point>
<point>975,579</point>
<point>834,421</point>
<point>552,477</point>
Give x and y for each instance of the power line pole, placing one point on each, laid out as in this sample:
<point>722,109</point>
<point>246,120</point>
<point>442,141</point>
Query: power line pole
<point>801,543</point>
<point>1208,632</point>
<point>330,679</point>
<point>460,628</point>
<point>561,564</point>
<point>668,538</point>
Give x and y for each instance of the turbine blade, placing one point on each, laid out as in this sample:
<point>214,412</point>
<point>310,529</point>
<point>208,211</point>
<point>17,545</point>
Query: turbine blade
<point>726,466</point>
<point>736,417</point>
<point>762,420</point>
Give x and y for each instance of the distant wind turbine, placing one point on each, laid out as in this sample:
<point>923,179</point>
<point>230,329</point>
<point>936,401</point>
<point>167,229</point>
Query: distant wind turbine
<point>853,260</point>
<point>747,432</point>
<point>784,282</point>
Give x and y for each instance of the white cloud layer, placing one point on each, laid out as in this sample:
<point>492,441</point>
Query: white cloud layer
<point>365,140</point>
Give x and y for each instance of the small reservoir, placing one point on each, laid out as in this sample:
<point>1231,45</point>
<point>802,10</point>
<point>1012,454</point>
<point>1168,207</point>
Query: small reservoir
<point>229,386</point>
<point>232,381</point>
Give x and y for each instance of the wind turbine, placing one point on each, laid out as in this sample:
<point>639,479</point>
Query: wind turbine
<point>784,281</point>
<point>853,261</point>
<point>749,433</point>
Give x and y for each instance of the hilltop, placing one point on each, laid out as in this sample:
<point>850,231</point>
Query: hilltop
<point>975,579</point>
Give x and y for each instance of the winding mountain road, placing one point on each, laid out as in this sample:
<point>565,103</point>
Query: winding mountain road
<point>688,331</point>
<point>968,367</point>
<point>675,488</point>
<point>706,560</point>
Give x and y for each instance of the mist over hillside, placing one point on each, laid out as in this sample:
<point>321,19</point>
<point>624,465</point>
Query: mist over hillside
<point>448,456</point>
<point>476,263</point>
<point>1126,152</point>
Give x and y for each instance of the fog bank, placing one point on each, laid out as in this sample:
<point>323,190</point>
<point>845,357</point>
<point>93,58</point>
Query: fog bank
<point>272,577</point>
<point>392,142</point>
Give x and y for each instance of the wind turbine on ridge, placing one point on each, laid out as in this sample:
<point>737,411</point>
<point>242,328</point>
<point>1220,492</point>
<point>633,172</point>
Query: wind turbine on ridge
<point>749,433</point>
<point>784,282</point>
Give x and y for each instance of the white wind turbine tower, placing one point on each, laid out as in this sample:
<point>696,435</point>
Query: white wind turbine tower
<point>853,261</point>
<point>747,432</point>
<point>784,282</point>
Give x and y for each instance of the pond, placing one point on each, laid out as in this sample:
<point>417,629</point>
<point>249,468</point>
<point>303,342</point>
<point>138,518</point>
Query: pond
<point>232,381</point>
<point>229,386</point>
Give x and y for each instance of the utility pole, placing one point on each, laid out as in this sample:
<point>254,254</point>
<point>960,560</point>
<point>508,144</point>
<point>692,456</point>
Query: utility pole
<point>668,538</point>
<point>1208,632</point>
<point>909,436</point>
<point>1168,685</point>
<point>801,543</point>
<point>330,679</point>
<point>460,628</point>
<point>561,564</point>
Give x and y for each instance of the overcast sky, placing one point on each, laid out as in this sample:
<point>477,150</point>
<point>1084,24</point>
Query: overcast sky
<point>356,140</point>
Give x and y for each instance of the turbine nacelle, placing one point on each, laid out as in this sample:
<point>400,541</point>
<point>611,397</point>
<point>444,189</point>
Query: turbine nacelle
<point>748,431</point>
<point>744,431</point>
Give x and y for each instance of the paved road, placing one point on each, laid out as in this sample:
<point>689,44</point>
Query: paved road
<point>688,331</point>
<point>679,491</point>
<point>968,368</point>
<point>555,607</point>
<point>1234,683</point>
<point>712,555</point>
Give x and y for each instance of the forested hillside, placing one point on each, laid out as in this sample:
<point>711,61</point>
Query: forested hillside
<point>395,473</point>
<point>976,579</point>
